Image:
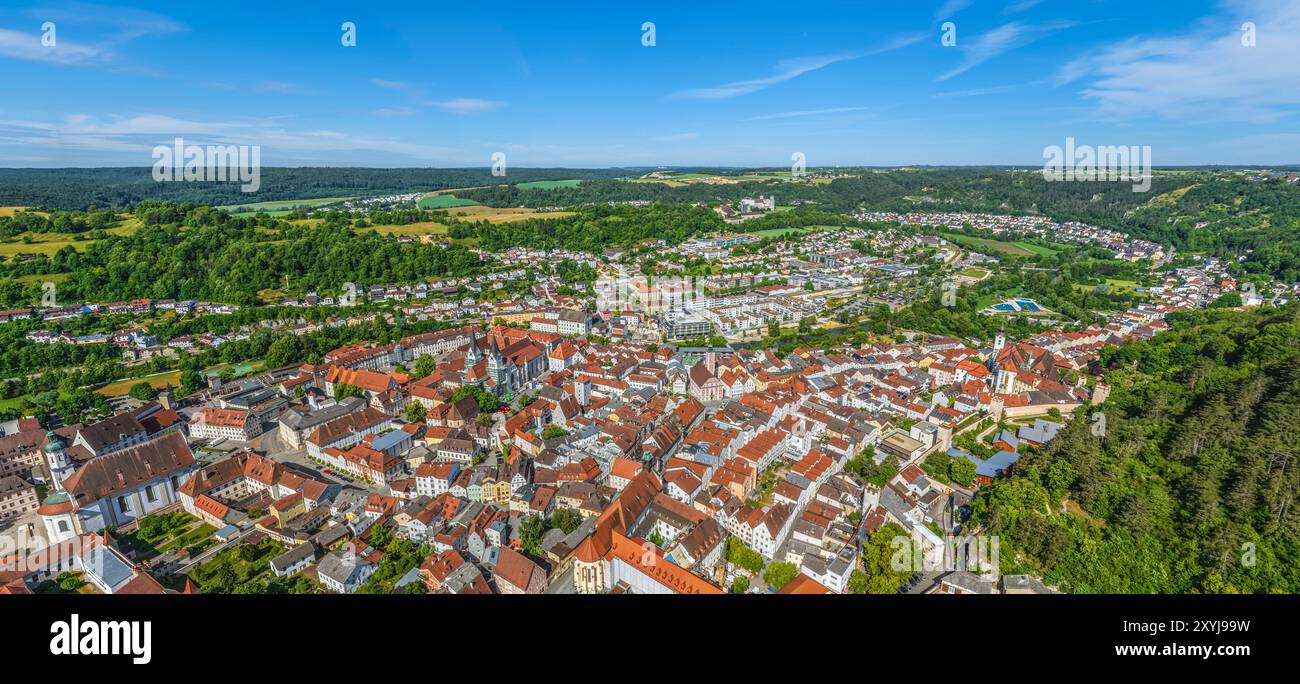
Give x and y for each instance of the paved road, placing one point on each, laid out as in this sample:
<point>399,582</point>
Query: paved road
<point>562,583</point>
<point>269,443</point>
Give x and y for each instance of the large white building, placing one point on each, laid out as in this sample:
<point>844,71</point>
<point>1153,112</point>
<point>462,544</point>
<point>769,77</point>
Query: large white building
<point>117,488</point>
<point>218,423</point>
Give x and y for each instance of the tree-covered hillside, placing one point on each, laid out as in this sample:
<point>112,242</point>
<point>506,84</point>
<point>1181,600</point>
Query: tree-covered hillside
<point>593,228</point>
<point>196,252</point>
<point>1191,482</point>
<point>79,189</point>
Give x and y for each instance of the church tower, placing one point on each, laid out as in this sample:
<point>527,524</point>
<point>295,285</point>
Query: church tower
<point>57,460</point>
<point>474,355</point>
<point>1000,341</point>
<point>996,406</point>
<point>582,391</point>
<point>496,367</point>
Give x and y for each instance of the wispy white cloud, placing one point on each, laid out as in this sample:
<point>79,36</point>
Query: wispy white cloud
<point>132,138</point>
<point>1022,6</point>
<point>392,85</point>
<point>27,46</point>
<point>990,90</point>
<point>1001,40</point>
<point>677,137</point>
<point>395,111</point>
<point>1203,74</point>
<point>1264,148</point>
<point>951,7</point>
<point>121,23</point>
<point>790,69</point>
<point>418,95</point>
<point>805,113</point>
<point>465,105</point>
<point>102,32</point>
<point>285,88</point>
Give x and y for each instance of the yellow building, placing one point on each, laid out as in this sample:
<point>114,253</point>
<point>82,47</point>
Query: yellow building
<point>288,508</point>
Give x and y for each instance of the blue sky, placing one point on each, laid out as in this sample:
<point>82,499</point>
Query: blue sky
<point>570,83</point>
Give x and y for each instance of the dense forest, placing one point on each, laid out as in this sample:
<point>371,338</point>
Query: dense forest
<point>1189,482</point>
<point>1230,216</point>
<point>593,228</point>
<point>79,189</point>
<point>188,251</point>
<point>196,252</point>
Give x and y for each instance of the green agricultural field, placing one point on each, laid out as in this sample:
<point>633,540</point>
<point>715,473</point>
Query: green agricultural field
<point>778,232</point>
<point>411,229</point>
<point>444,202</point>
<point>1116,285</point>
<point>549,185</point>
<point>1036,249</point>
<point>171,378</point>
<point>987,246</point>
<point>50,243</point>
<point>284,206</point>
<point>669,183</point>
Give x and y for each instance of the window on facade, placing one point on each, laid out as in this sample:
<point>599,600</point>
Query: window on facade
<point>150,495</point>
<point>121,505</point>
<point>63,525</point>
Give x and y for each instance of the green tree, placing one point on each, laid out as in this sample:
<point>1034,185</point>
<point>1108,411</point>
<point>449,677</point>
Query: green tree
<point>192,381</point>
<point>343,390</point>
<point>380,536</point>
<point>69,582</point>
<point>743,556</point>
<point>779,574</point>
<point>962,470</point>
<point>1227,300</point>
<point>878,559</point>
<point>567,519</point>
<point>530,534</point>
<point>425,366</point>
<point>285,350</point>
<point>143,391</point>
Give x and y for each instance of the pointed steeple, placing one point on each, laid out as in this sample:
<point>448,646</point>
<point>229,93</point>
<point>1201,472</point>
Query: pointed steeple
<point>473,356</point>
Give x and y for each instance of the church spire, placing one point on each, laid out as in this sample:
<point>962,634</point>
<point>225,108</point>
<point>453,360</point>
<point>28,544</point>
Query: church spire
<point>473,356</point>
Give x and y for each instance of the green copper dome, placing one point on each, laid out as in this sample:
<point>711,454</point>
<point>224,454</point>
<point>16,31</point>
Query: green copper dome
<point>53,443</point>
